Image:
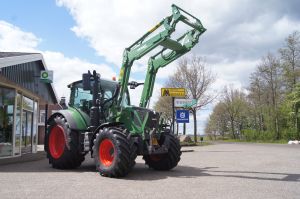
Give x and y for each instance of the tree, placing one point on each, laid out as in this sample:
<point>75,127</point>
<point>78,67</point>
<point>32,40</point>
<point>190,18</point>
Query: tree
<point>270,71</point>
<point>164,106</point>
<point>211,128</point>
<point>293,105</point>
<point>218,122</point>
<point>290,57</point>
<point>256,98</point>
<point>234,104</point>
<point>193,75</point>
<point>270,107</point>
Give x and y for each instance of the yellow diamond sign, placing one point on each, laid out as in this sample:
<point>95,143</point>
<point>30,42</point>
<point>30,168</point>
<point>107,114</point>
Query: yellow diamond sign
<point>173,92</point>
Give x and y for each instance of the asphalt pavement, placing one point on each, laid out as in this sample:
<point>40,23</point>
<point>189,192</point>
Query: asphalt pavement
<point>214,171</point>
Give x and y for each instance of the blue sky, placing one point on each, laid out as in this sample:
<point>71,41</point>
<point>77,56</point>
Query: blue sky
<point>76,35</point>
<point>49,22</point>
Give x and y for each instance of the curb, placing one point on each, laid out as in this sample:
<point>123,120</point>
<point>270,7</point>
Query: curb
<point>187,150</point>
<point>24,158</point>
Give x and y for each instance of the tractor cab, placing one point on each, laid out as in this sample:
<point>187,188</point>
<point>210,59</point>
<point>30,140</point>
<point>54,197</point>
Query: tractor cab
<point>82,99</point>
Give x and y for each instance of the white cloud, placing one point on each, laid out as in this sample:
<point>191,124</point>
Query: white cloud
<point>239,33</point>
<point>66,69</point>
<point>263,31</point>
<point>12,38</point>
<point>111,26</point>
<point>234,72</point>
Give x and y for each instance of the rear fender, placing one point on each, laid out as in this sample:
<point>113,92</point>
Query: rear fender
<point>77,120</point>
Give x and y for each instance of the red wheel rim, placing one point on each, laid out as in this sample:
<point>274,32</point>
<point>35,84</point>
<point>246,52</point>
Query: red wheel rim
<point>57,142</point>
<point>106,152</point>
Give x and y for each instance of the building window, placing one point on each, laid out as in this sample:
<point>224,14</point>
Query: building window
<point>28,125</point>
<point>7,103</point>
<point>18,127</point>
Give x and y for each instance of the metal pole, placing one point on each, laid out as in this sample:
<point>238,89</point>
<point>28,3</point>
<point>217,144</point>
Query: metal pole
<point>173,115</point>
<point>46,118</point>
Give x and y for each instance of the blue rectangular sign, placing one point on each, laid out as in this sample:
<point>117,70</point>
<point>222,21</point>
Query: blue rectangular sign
<point>182,116</point>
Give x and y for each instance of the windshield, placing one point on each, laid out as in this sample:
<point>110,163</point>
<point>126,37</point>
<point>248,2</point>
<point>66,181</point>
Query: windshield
<point>82,99</point>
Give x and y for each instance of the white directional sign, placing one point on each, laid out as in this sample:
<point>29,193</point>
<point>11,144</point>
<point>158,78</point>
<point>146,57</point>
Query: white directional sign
<point>186,103</point>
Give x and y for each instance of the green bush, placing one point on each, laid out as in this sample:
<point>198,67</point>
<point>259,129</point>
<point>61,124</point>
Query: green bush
<point>253,135</point>
<point>289,134</point>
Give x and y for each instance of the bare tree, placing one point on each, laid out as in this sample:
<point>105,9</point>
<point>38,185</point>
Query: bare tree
<point>192,74</point>
<point>164,106</point>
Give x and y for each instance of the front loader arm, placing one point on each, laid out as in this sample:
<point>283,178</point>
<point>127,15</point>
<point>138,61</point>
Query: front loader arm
<point>163,38</point>
<point>165,57</point>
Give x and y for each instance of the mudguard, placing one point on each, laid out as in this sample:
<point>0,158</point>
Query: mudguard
<point>77,120</point>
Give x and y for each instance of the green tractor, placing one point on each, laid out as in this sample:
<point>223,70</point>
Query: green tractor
<point>100,119</point>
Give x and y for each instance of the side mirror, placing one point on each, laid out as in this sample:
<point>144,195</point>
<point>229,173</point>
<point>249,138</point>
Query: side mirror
<point>86,81</point>
<point>134,84</point>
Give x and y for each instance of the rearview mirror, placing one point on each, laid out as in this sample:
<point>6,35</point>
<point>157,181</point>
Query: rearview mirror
<point>86,81</point>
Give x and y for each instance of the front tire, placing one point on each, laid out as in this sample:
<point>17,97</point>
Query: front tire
<point>112,153</point>
<point>59,154</point>
<point>165,161</point>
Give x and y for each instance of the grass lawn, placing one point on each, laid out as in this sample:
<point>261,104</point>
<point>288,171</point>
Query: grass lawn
<point>254,141</point>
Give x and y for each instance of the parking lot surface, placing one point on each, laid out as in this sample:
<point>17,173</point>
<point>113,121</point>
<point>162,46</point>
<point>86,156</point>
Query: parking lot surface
<point>214,171</point>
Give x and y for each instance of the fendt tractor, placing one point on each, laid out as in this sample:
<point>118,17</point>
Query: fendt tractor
<point>100,119</point>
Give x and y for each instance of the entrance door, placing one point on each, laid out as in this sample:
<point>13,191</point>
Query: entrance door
<point>7,101</point>
<point>27,121</point>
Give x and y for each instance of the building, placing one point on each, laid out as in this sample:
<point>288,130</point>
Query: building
<point>23,98</point>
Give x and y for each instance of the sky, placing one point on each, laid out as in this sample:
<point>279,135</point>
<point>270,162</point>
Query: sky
<point>76,35</point>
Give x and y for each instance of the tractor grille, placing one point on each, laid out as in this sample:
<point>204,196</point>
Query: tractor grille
<point>142,114</point>
<point>153,118</point>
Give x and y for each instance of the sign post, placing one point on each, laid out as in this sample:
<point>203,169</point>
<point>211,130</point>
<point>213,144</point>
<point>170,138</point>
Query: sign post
<point>173,115</point>
<point>173,92</point>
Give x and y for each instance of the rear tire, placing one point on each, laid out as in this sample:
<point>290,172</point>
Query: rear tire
<point>165,161</point>
<point>112,153</point>
<point>59,155</point>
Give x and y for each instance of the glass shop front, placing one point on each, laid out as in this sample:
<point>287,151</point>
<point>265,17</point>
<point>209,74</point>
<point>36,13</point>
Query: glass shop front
<point>18,123</point>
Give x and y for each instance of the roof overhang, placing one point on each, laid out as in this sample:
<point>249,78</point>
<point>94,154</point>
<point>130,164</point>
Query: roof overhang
<point>20,59</point>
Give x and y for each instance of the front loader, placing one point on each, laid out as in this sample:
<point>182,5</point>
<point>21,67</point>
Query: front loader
<point>100,119</point>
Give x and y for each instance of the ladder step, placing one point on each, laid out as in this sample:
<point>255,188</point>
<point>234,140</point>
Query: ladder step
<point>171,44</point>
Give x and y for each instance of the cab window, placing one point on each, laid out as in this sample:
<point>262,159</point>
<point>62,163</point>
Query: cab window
<point>125,101</point>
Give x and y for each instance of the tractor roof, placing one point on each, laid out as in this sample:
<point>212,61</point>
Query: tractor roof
<point>102,79</point>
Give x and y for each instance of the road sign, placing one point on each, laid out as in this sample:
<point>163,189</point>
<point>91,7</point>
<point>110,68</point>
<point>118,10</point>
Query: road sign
<point>173,92</point>
<point>186,103</point>
<point>46,76</point>
<point>182,116</point>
